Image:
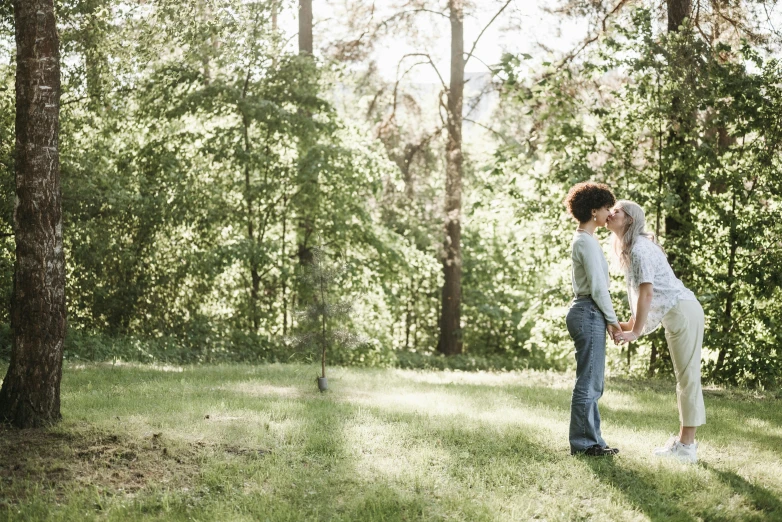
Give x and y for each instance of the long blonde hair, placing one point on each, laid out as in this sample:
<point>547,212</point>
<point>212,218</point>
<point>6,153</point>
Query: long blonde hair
<point>635,226</point>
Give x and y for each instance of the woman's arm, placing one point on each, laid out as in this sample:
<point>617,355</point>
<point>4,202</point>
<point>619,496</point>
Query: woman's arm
<point>645,293</point>
<point>593,260</point>
<point>627,326</point>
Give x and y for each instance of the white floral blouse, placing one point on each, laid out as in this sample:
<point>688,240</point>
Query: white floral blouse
<point>648,264</point>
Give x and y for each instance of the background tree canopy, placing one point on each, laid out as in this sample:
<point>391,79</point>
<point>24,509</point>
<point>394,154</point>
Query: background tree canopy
<point>202,160</point>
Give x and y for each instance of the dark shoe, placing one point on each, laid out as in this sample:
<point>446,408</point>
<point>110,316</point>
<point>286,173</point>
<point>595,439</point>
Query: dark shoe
<point>598,451</point>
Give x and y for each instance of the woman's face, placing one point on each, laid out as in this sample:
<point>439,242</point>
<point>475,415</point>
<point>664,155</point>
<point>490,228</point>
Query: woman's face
<point>616,220</point>
<point>601,215</point>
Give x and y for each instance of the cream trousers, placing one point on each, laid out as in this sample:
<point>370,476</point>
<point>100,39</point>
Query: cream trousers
<point>684,332</point>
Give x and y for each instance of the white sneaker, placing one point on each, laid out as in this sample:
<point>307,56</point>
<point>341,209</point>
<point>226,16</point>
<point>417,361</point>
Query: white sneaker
<point>674,449</point>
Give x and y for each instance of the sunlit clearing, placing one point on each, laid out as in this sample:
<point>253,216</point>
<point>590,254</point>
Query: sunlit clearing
<point>619,401</point>
<point>125,364</point>
<point>550,379</point>
<point>255,389</point>
<point>382,449</point>
<point>490,412</point>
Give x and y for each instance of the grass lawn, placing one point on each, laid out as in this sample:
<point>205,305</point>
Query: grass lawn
<point>260,443</point>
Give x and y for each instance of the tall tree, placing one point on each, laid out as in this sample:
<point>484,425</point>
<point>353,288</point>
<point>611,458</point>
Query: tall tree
<point>30,396</point>
<point>305,26</point>
<point>678,11</point>
<point>678,219</point>
<point>306,50</point>
<point>450,317</point>
<point>404,152</point>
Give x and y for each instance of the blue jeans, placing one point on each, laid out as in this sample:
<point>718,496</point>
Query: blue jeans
<point>587,327</point>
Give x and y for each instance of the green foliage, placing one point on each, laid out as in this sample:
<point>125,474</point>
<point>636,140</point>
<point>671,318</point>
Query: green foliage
<point>612,119</point>
<point>201,160</point>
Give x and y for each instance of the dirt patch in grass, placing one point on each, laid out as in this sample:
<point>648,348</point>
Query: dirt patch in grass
<point>58,461</point>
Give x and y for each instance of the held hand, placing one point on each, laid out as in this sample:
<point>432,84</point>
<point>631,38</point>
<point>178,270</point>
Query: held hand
<point>629,336</point>
<point>615,331</point>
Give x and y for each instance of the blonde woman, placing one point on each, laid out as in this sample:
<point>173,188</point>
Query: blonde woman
<point>658,297</point>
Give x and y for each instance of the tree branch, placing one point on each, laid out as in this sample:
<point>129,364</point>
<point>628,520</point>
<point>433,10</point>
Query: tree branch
<point>399,80</point>
<point>429,59</point>
<point>588,41</point>
<point>488,129</point>
<point>401,14</point>
<point>475,43</point>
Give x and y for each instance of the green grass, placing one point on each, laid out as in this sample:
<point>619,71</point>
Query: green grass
<point>260,443</point>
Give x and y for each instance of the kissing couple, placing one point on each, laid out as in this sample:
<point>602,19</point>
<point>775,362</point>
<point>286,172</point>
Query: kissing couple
<point>656,297</point>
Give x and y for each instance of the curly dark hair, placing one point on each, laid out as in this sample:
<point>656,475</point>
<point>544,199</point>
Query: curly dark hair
<point>585,197</point>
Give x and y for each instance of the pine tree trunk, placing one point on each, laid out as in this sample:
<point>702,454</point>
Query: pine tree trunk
<point>678,10</point>
<point>450,318</point>
<point>305,26</point>
<point>727,323</point>
<point>306,226</point>
<point>677,224</point>
<point>30,396</point>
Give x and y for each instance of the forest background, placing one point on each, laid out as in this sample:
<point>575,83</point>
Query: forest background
<point>204,155</point>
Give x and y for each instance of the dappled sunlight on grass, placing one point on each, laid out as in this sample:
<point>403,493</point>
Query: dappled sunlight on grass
<point>125,364</point>
<point>620,401</point>
<point>256,389</point>
<point>555,380</point>
<point>262,442</point>
<point>429,402</point>
<point>385,449</point>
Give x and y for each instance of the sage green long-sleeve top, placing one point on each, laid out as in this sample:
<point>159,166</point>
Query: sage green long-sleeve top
<point>590,273</point>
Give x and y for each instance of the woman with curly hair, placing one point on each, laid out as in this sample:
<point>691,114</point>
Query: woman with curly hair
<point>658,297</point>
<point>589,315</point>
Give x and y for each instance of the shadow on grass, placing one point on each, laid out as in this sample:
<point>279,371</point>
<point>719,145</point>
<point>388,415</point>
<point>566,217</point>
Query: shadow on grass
<point>761,499</point>
<point>642,492</point>
<point>654,408</point>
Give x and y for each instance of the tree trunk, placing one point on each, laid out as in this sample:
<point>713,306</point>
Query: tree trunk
<point>305,48</point>
<point>677,224</point>
<point>255,278</point>
<point>450,318</point>
<point>283,266</point>
<point>409,313</point>
<point>727,324</point>
<point>305,26</point>
<point>678,10</point>
<point>30,396</point>
<point>652,359</point>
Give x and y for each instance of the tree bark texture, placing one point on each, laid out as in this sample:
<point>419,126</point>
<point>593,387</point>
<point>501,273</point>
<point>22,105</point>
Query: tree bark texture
<point>450,318</point>
<point>677,223</point>
<point>678,10</point>
<point>306,218</point>
<point>305,26</point>
<point>30,395</point>
<point>727,325</point>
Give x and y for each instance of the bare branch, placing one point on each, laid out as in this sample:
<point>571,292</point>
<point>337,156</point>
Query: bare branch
<point>594,38</point>
<point>485,64</point>
<point>475,43</point>
<point>402,14</point>
<point>497,133</point>
<point>431,62</point>
<point>399,80</point>
<point>768,19</point>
